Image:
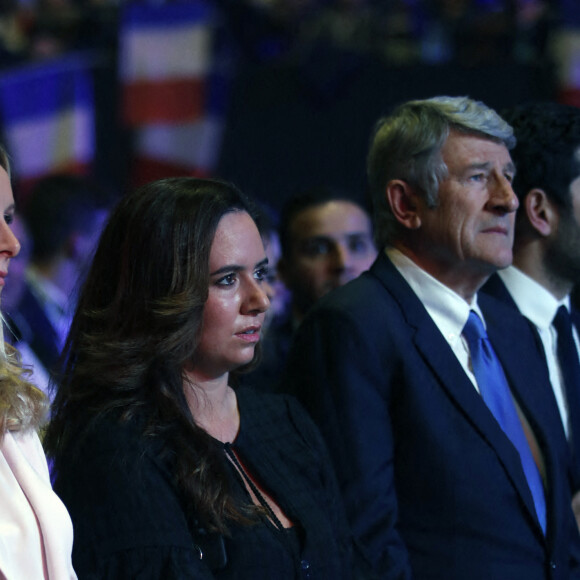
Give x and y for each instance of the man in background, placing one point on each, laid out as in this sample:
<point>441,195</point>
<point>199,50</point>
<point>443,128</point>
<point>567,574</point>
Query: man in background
<point>64,215</point>
<point>326,240</point>
<point>546,262</point>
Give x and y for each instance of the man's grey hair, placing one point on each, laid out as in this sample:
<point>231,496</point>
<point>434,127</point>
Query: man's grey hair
<point>407,145</point>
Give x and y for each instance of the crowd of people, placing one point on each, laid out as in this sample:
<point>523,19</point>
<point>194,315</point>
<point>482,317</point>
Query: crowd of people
<point>408,409</point>
<point>400,32</point>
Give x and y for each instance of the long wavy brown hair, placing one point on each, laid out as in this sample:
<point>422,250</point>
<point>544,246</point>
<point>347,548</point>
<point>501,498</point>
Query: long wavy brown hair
<point>22,405</point>
<point>136,327</point>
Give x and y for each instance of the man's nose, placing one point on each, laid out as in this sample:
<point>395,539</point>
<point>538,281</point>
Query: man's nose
<point>503,196</point>
<point>340,256</point>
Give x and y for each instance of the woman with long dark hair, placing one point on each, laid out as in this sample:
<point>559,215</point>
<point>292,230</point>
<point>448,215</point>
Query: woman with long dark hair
<point>166,470</point>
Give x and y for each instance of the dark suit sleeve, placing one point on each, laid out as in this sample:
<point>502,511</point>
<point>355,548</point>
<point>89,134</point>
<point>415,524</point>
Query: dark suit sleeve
<point>338,373</point>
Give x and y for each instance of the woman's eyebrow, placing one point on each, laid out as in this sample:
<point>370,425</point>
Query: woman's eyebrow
<point>227,268</point>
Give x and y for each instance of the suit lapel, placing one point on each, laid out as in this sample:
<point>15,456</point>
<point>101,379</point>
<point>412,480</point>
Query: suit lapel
<point>458,386</point>
<point>496,288</point>
<point>441,360</point>
<point>574,417</point>
<point>530,384</point>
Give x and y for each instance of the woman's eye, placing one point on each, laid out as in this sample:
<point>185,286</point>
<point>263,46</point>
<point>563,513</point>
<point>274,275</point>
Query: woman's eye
<point>227,280</point>
<point>8,218</point>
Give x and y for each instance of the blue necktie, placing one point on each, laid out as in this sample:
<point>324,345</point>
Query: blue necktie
<point>496,393</point>
<point>570,368</point>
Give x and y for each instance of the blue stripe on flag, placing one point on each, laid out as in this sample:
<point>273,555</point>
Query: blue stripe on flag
<point>142,16</point>
<point>43,90</point>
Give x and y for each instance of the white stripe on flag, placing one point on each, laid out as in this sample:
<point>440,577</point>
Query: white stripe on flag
<point>191,145</point>
<point>154,55</point>
<point>40,145</point>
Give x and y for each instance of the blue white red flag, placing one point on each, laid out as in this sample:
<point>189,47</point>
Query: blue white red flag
<point>174,92</point>
<point>165,57</point>
<point>47,113</point>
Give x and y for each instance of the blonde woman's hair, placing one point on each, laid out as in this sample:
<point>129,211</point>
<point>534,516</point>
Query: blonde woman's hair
<point>22,405</point>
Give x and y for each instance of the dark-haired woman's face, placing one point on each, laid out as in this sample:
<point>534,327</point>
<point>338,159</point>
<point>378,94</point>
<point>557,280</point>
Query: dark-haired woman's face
<point>237,301</point>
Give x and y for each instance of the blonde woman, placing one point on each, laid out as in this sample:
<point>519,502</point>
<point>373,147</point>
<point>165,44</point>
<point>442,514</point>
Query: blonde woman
<point>35,528</point>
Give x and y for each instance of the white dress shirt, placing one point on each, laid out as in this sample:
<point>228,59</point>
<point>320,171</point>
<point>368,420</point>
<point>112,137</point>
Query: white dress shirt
<point>448,309</point>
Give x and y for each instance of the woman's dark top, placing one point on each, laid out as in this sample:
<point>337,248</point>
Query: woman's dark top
<point>129,522</point>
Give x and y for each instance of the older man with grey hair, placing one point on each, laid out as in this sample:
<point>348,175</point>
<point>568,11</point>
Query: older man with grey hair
<point>439,418</point>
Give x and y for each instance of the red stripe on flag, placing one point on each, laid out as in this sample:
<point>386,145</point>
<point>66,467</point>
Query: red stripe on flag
<point>166,102</point>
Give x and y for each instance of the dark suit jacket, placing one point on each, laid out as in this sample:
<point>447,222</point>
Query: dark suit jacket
<point>496,288</point>
<point>433,487</point>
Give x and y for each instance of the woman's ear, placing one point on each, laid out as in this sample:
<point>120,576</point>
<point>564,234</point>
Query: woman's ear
<point>404,203</point>
<point>540,212</point>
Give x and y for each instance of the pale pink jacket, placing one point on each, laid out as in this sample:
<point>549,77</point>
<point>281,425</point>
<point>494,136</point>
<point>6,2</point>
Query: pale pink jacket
<point>35,529</point>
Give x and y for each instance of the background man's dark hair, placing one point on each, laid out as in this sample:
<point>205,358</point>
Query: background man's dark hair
<point>548,138</point>
<point>313,197</point>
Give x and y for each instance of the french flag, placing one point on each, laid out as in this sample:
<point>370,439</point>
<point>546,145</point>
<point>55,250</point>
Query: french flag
<point>165,54</point>
<point>47,113</point>
<point>173,92</point>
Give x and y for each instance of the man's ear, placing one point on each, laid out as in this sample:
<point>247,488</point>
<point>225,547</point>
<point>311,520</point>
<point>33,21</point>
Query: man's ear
<point>404,203</point>
<point>541,212</point>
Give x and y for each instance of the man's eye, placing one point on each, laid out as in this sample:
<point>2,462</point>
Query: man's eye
<point>9,218</point>
<point>316,247</point>
<point>358,245</point>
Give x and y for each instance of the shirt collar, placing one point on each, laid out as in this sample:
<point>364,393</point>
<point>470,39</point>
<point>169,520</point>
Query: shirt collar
<point>533,300</point>
<point>448,309</point>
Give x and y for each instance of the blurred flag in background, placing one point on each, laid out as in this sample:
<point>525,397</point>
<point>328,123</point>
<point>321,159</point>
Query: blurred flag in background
<point>173,93</point>
<point>47,115</point>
